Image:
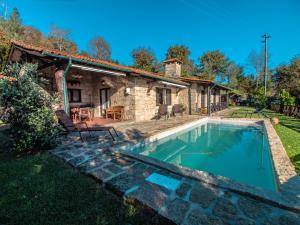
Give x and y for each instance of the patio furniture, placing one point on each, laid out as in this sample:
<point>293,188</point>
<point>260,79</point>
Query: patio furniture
<point>177,108</point>
<point>115,112</point>
<point>203,110</point>
<point>80,127</point>
<point>75,114</point>
<point>85,113</point>
<point>162,111</point>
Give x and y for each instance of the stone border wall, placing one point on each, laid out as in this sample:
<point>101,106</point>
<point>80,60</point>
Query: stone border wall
<point>287,198</point>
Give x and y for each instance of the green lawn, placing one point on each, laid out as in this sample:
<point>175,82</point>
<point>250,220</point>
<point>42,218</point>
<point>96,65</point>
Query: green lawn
<point>39,189</point>
<point>288,130</point>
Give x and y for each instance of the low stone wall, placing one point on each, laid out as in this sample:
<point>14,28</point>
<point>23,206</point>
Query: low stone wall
<point>190,202</point>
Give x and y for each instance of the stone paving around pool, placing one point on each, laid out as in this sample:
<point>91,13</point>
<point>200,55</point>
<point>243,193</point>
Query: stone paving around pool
<point>191,203</point>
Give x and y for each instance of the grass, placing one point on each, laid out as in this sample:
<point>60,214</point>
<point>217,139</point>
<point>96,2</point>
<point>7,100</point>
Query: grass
<point>288,130</point>
<point>39,189</point>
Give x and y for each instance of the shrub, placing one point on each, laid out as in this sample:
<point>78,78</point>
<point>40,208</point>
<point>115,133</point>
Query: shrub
<point>285,98</point>
<point>28,109</point>
<point>259,97</point>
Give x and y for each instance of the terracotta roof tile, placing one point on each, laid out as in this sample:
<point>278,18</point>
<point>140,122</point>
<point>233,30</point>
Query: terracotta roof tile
<point>2,76</point>
<point>88,59</point>
<point>172,60</point>
<point>196,79</point>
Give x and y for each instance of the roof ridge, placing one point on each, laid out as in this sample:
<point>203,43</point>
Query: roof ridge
<point>81,57</point>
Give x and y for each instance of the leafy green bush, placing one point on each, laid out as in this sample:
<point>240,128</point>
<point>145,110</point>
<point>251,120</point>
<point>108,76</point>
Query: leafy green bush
<point>28,109</point>
<point>259,97</point>
<point>286,98</point>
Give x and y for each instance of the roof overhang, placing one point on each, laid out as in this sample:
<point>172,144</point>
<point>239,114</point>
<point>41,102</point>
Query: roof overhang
<point>172,84</point>
<point>94,65</point>
<point>93,69</point>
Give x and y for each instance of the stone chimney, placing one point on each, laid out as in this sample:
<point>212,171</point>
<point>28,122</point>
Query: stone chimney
<point>172,67</point>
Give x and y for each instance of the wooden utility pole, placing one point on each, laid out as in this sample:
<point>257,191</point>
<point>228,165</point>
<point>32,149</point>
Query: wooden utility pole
<point>265,41</point>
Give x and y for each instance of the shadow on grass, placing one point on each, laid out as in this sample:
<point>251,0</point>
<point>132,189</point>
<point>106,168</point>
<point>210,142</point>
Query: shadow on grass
<point>38,189</point>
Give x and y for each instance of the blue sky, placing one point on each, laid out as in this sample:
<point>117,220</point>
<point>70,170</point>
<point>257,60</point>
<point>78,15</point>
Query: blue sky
<point>232,26</point>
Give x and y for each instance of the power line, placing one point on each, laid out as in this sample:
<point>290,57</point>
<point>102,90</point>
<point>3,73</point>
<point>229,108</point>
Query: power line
<point>265,41</point>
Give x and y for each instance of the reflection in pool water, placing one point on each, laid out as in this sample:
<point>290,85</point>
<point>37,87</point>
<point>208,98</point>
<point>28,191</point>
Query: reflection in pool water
<point>235,151</point>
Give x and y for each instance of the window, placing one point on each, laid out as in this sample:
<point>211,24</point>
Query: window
<point>163,96</point>
<point>159,96</point>
<point>74,95</point>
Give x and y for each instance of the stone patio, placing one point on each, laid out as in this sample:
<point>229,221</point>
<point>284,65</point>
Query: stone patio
<point>192,202</point>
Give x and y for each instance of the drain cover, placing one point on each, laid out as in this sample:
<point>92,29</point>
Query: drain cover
<point>167,182</point>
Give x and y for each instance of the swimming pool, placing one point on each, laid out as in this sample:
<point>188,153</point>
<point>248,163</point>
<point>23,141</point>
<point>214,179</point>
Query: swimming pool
<point>239,152</point>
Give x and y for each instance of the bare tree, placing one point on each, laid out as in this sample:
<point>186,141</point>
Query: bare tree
<point>256,60</point>
<point>32,35</point>
<point>57,37</point>
<point>100,49</point>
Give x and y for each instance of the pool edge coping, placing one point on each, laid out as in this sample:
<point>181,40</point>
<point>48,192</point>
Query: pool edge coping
<point>283,199</point>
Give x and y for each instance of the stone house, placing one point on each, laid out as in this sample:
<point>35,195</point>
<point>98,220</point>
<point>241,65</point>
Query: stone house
<point>82,81</point>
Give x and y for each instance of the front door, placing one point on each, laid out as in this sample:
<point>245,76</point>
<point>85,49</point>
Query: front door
<point>104,100</point>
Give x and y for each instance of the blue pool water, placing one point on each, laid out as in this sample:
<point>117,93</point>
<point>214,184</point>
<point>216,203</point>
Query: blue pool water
<point>238,152</point>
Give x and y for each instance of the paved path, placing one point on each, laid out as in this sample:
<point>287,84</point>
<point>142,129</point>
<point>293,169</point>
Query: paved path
<point>190,203</point>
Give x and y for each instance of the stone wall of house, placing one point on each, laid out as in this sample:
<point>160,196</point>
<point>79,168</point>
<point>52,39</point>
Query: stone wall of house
<point>90,85</point>
<point>145,98</point>
<point>196,92</point>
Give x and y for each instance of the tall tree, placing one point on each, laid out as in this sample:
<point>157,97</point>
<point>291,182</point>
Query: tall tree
<point>288,77</point>
<point>213,65</point>
<point>182,53</point>
<point>59,39</point>
<point>12,26</point>
<point>233,73</point>
<point>144,59</point>
<point>4,47</point>
<point>100,49</point>
<point>256,61</point>
<point>32,35</point>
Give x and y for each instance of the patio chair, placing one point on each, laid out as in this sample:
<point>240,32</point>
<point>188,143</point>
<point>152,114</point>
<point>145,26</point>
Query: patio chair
<point>203,111</point>
<point>80,127</point>
<point>294,111</point>
<point>85,113</point>
<point>162,111</point>
<point>115,112</point>
<point>177,108</point>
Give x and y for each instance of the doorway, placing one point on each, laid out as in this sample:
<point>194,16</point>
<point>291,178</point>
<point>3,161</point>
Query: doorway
<point>104,100</point>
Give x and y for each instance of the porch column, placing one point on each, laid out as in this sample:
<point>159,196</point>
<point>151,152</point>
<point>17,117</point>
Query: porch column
<point>61,82</point>
<point>227,99</point>
<point>59,77</point>
<point>190,100</point>
<point>208,100</point>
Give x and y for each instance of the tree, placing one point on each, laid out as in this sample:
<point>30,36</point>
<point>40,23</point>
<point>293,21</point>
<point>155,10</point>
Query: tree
<point>256,60</point>
<point>288,77</point>
<point>32,35</point>
<point>59,39</point>
<point>286,98</point>
<point>259,97</point>
<point>4,48</point>
<point>144,59</point>
<point>12,26</point>
<point>100,49</point>
<point>28,109</point>
<point>233,73</point>
<point>182,53</point>
<point>213,65</point>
